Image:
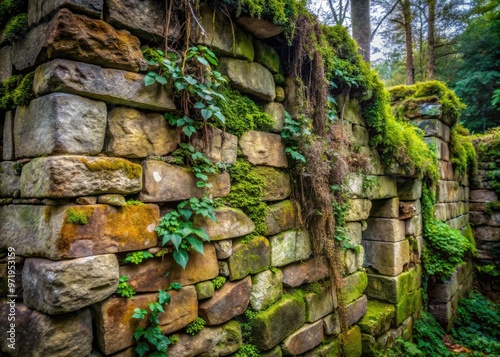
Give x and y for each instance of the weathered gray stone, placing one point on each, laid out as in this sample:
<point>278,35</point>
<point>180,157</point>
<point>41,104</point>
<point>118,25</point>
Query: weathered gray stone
<point>230,300</point>
<point>9,180</point>
<point>8,136</point>
<point>356,310</point>
<point>388,208</point>
<point>413,226</point>
<point>165,183</point>
<point>282,216</point>
<point>39,334</point>
<point>433,127</point>
<point>320,303</point>
<point>309,271</point>
<point>387,258</point>
<point>259,28</point>
<point>447,191</point>
<point>37,9</point>
<point>442,292</point>
<point>263,149</point>
<point>304,339</point>
<point>144,19</point>
<point>267,56</point>
<point>353,259</point>
<point>353,231</point>
<point>277,112</point>
<point>331,324</point>
<point>69,285</point>
<point>205,290</point>
<point>409,190</point>
<point>289,247</point>
<point>73,176</point>
<point>112,199</point>
<point>440,147</point>
<point>133,134</point>
<point>249,77</point>
<point>276,183</point>
<point>222,146</point>
<point>44,231</point>
<point>5,63</point>
<point>394,289</point>
<point>249,257</point>
<point>60,123</point>
<point>267,288</point>
<point>372,187</point>
<point>111,85</point>
<point>222,35</point>
<point>384,229</point>
<point>224,248</point>
<point>211,341</point>
<point>25,52</point>
<point>487,233</point>
<point>371,161</point>
<point>359,209</point>
<point>483,196</point>
<point>229,223</point>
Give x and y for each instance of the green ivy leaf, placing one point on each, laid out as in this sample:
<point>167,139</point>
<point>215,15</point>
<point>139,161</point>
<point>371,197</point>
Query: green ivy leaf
<point>148,80</point>
<point>161,79</point>
<point>139,313</point>
<point>142,348</point>
<point>175,286</point>
<point>181,258</point>
<point>195,243</point>
<point>163,297</point>
<point>202,60</point>
<point>206,114</point>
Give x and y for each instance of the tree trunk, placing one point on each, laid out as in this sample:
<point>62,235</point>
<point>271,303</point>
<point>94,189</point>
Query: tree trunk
<point>431,65</point>
<point>361,27</point>
<point>410,68</point>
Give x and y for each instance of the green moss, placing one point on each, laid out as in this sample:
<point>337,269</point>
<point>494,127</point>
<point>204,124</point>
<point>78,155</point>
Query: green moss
<point>463,153</point>
<point>411,303</point>
<point>316,288</point>
<point>378,315</point>
<point>23,93</point>
<point>16,91</point>
<point>248,350</point>
<point>133,171</point>
<point>196,326</point>
<point>218,282</point>
<point>16,27</point>
<point>10,8</point>
<point>493,206</point>
<point>354,286</point>
<point>76,217</point>
<point>134,203</point>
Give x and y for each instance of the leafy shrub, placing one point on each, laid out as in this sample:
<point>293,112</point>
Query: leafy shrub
<point>124,289</point>
<point>248,350</point>
<point>427,334</point>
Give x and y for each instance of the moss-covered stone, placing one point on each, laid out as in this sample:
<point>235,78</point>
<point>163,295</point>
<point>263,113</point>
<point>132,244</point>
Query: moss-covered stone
<point>229,223</point>
<point>411,303</point>
<point>319,303</point>
<point>352,343</point>
<point>204,290</point>
<point>378,317</point>
<point>289,247</point>
<point>267,56</point>
<point>353,286</point>
<point>282,216</point>
<point>276,183</point>
<point>394,289</point>
<point>249,257</point>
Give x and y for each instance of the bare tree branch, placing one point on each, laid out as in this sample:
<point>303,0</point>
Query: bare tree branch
<point>383,18</point>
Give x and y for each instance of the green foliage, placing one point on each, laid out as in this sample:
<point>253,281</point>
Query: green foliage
<point>296,132</point>
<point>151,340</point>
<point>137,257</point>
<point>218,282</point>
<point>124,289</point>
<point>176,227</point>
<point>463,153</point>
<point>248,350</point>
<point>75,217</point>
<point>246,323</point>
<point>16,91</point>
<point>493,206</point>
<point>10,8</point>
<point>134,203</point>
<point>401,349</point>
<point>427,334</point>
<point>16,27</point>
<point>196,326</point>
<point>202,167</point>
<point>340,207</point>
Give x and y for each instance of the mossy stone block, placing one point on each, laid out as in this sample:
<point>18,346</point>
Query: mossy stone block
<point>267,56</point>
<point>282,216</point>
<point>204,290</point>
<point>320,303</point>
<point>353,345</point>
<point>378,317</point>
<point>249,257</point>
<point>411,303</point>
<point>289,247</point>
<point>394,289</point>
<point>275,352</point>
<point>353,286</point>
<point>276,183</point>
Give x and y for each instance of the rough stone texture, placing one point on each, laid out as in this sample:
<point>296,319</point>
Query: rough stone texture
<point>271,326</point>
<point>249,257</point>
<point>309,271</point>
<point>353,231</point>
<point>387,258</point>
<point>445,170</point>
<point>5,63</point>
<point>409,190</point>
<point>259,28</point>
<point>69,285</point>
<point>384,229</point>
<point>149,276</point>
<point>442,292</point>
<point>304,339</point>
<point>249,77</point>
<point>37,9</point>
<point>267,288</point>
<point>73,176</point>
<point>88,200</point>
<point>38,334</point>
<point>263,149</point>
<point>388,208</point>
<point>360,134</point>
<point>487,233</point>
<point>8,136</point>
<point>354,258</point>
<point>133,134</point>
<point>44,232</point>
<point>230,300</point>
<point>277,184</point>
<point>410,304</point>
<point>433,127</point>
<point>205,290</point>
<point>199,268</point>
<point>356,310</point>
<point>9,180</point>
<point>222,146</point>
<point>277,112</point>
<point>410,208</point>
<point>282,216</point>
<point>372,187</point>
<point>267,56</point>
<point>358,210</point>
<point>378,317</point>
<point>60,123</point>
<point>440,147</point>
<point>331,324</point>
<point>289,247</point>
<point>110,85</point>
<point>483,196</point>
<point>320,303</point>
<point>353,286</point>
<point>413,226</point>
<point>481,218</point>
<point>229,223</point>
<point>211,341</point>
<point>393,289</point>
<point>447,191</point>
<point>222,35</point>
<point>224,248</point>
<point>165,183</point>
<point>142,18</point>
<point>25,52</point>
<point>115,325</point>
<point>112,199</point>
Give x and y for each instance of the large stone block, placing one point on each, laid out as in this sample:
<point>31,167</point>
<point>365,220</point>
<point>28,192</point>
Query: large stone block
<point>388,208</point>
<point>69,285</point>
<point>282,216</point>
<point>353,259</point>
<point>378,317</point>
<point>277,184</point>
<point>409,305</point>
<point>5,63</point>
<point>46,231</point>
<point>304,339</point>
<point>433,127</point>
<point>110,85</point>
<point>483,196</point>
<point>413,225</point>
<point>353,286</point>
<point>387,258</point>
<point>263,149</point>
<point>277,112</point>
<point>259,28</point>
<point>423,109</point>
<point>60,123</point>
<point>385,230</point>
<point>359,209</point>
<point>354,231</point>
<point>229,223</point>
<point>370,186</point>
<point>408,209</point>
<point>38,334</point>
<point>74,176</point>
<point>440,147</point>
<point>356,310</point>
<point>115,325</point>
<point>309,271</point>
<point>441,292</point>
<point>447,191</point>
<point>229,301</point>
<point>409,189</point>
<point>165,183</point>
<point>393,289</point>
<point>200,267</point>
<point>289,247</point>
<point>37,9</point>
<point>249,77</point>
<point>277,322</point>
<point>9,179</point>
<point>219,147</point>
<point>320,303</point>
<point>249,257</point>
<point>149,276</point>
<point>267,288</point>
<point>481,218</point>
<point>487,233</point>
<point>134,134</point>
<point>8,136</point>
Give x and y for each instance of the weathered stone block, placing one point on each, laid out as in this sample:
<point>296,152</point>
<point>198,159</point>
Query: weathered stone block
<point>277,184</point>
<point>9,179</point>
<point>423,109</point>
<point>442,292</point>
<point>309,271</point>
<point>249,257</point>
<point>230,300</point>
<point>263,148</point>
<point>353,286</point>
<point>271,326</point>
<point>433,127</point>
<point>73,176</point>
<point>447,191</point>
<point>353,231</point>
<point>359,210</point>
<point>112,199</point>
<point>409,189</point>
<point>413,225</point>
<point>267,288</point>
<point>149,276</point>
<point>440,147</point>
<point>408,209</point>
<point>393,289</point>
<point>134,134</point>
<point>259,28</point>
<point>222,147</point>
<point>277,112</point>
<point>385,230</point>
<point>200,267</point>
<point>38,334</point>
<point>482,218</point>
<point>331,324</point>
<point>356,310</point>
<point>5,63</point>
<point>370,186</point>
<point>387,258</point>
<point>483,196</point>
<point>320,303</point>
<point>224,248</point>
<point>111,85</point>
<point>353,259</point>
<point>205,290</point>
<point>388,208</point>
<point>282,216</point>
<point>229,223</point>
<point>44,231</point>
<point>8,136</point>
<point>304,339</point>
<point>60,123</point>
<point>378,317</point>
<point>69,285</point>
<point>289,247</point>
<point>487,233</point>
<point>37,9</point>
<point>445,170</point>
<point>410,304</point>
<point>267,56</point>
<point>249,77</point>
<point>165,183</point>
<point>360,134</point>
<point>353,342</point>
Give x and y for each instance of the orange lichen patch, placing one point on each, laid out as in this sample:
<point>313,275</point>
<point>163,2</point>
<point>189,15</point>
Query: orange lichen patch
<point>131,76</point>
<point>132,170</point>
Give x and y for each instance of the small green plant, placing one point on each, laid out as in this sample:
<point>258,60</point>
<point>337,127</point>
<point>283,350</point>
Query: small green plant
<point>202,167</point>
<point>246,323</point>
<point>124,288</point>
<point>75,217</point>
<point>134,203</point>
<point>16,27</point>
<point>196,326</point>
<point>248,350</point>
<point>137,257</point>
<point>295,132</point>
<point>493,206</point>
<point>218,282</point>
